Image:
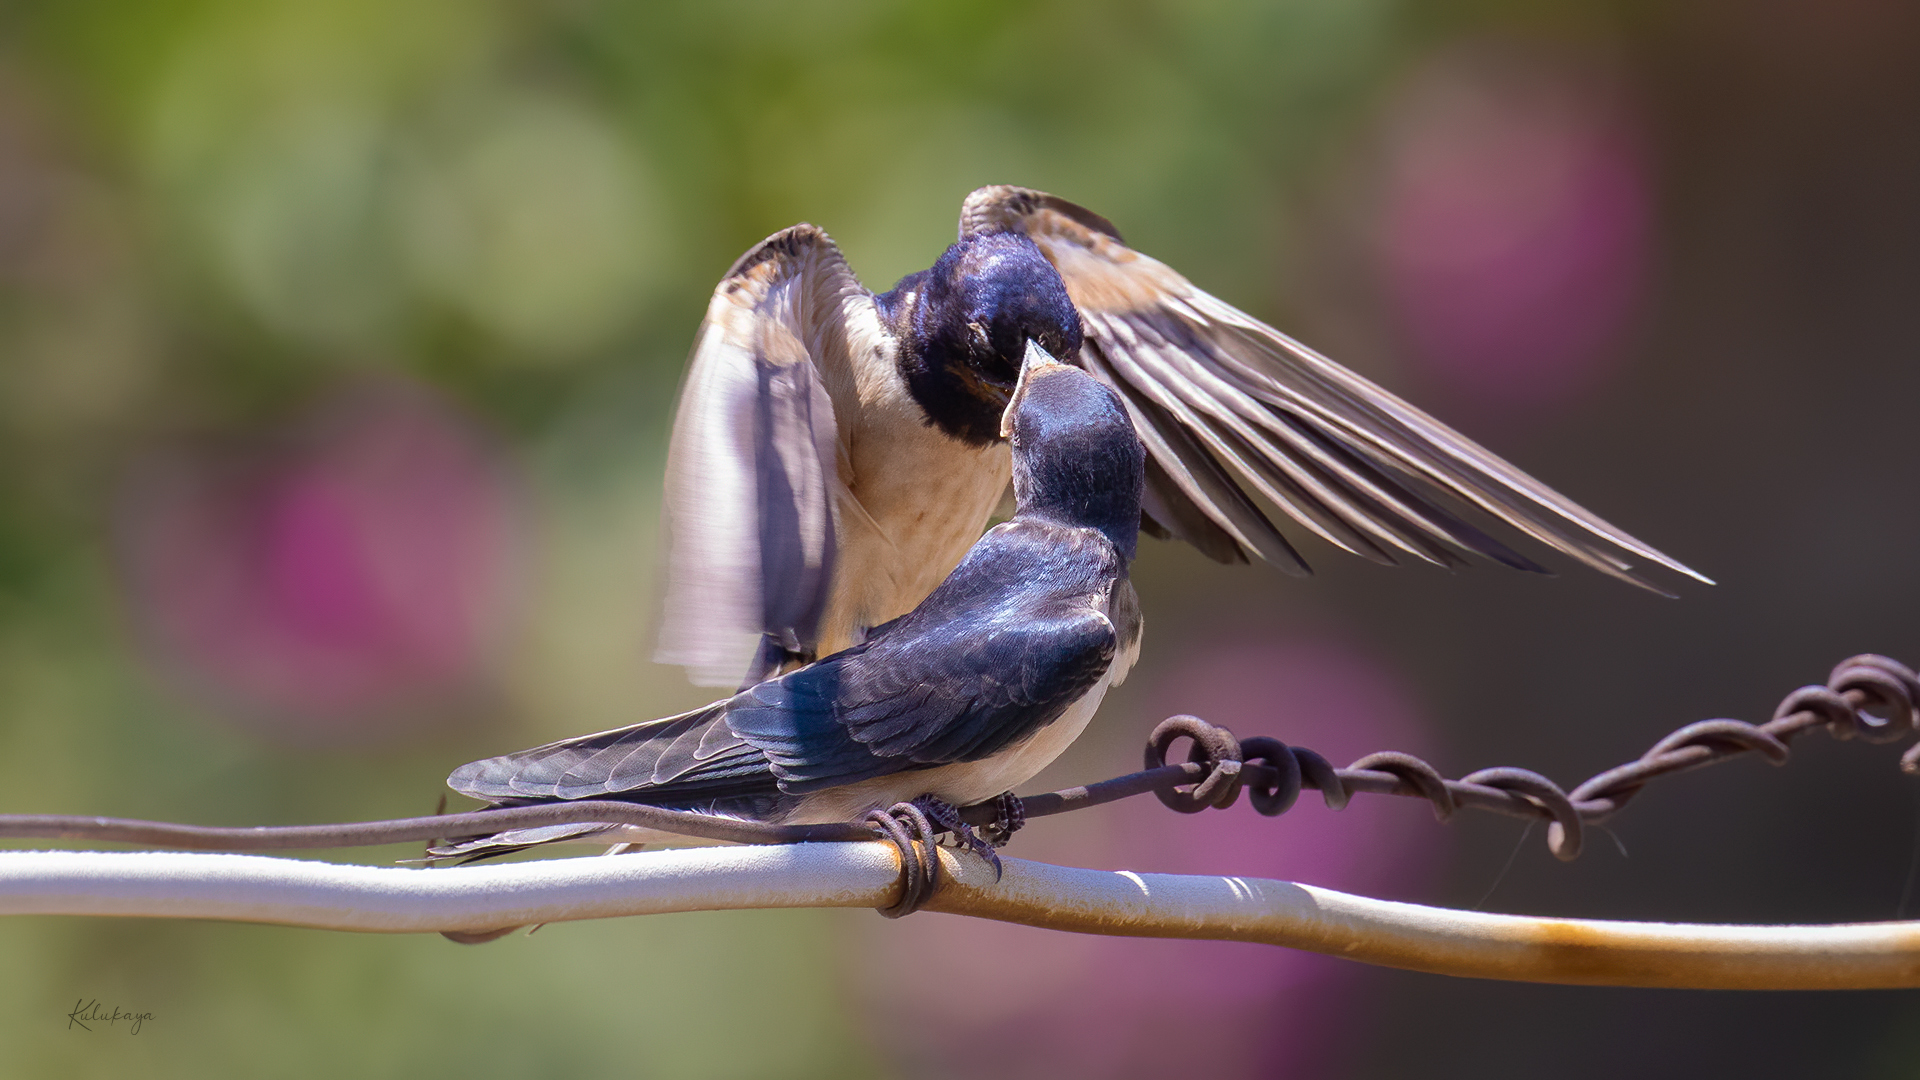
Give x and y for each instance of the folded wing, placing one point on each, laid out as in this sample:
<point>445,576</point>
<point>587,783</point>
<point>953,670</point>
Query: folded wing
<point>688,757</point>
<point>1222,400</point>
<point>985,662</point>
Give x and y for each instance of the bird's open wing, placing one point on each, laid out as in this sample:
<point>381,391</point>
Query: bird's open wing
<point>1221,399</point>
<point>753,469</point>
<point>997,652</point>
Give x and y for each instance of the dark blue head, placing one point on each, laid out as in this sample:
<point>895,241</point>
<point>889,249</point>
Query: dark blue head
<point>965,323</point>
<point>1076,459</point>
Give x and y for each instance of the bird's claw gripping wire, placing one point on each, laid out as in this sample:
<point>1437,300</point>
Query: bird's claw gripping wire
<point>946,817</point>
<point>1009,814</point>
<point>914,828</point>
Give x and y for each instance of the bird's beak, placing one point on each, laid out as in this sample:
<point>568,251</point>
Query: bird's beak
<point>1036,362</point>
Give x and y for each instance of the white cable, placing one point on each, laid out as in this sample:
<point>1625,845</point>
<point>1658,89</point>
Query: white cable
<point>254,888</point>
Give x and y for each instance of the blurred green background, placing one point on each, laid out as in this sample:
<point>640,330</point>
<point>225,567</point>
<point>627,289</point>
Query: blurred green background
<point>338,341</point>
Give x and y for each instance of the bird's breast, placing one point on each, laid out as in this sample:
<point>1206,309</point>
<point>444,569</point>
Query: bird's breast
<point>915,500</point>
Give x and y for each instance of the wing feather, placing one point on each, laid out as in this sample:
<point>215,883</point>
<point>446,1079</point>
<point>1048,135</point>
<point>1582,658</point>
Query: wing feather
<point>1002,648</point>
<point>1339,454</point>
<point>754,468</point>
<point>1197,485</point>
<point>693,753</point>
<point>1332,477</point>
<point>1275,475</point>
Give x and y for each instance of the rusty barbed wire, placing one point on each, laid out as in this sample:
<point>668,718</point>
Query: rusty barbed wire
<point>1870,697</point>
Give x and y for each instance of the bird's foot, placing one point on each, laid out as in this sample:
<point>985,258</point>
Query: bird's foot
<point>947,816</point>
<point>1009,814</point>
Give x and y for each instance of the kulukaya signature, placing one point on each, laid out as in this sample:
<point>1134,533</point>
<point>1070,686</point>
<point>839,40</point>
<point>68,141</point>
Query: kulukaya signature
<point>87,1011</point>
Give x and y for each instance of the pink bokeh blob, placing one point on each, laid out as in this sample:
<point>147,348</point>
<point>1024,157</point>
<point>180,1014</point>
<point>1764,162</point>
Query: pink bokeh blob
<point>360,568</point>
<point>1515,223</point>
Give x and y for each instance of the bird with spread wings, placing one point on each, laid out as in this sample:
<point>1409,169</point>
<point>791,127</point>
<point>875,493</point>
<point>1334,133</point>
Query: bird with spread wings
<point>835,451</point>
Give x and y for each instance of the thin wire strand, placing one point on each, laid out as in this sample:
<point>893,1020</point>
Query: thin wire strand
<point>1512,857</point>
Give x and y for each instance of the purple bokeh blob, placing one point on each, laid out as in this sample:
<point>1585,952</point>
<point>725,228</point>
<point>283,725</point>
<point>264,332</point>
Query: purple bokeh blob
<point>1515,223</point>
<point>357,573</point>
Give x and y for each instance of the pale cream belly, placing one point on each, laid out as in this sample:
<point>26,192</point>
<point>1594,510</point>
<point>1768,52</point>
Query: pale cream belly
<point>905,528</point>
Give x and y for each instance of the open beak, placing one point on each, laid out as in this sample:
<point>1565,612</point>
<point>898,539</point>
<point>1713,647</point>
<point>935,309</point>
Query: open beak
<point>1036,362</point>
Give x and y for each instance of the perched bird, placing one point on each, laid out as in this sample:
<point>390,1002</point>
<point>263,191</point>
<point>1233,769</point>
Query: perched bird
<point>966,696</point>
<point>835,452</point>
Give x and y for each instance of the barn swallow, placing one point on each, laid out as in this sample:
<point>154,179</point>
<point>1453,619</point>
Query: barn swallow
<point>956,702</point>
<point>835,452</point>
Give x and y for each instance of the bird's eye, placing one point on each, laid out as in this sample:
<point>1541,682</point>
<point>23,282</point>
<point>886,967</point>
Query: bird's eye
<point>979,335</point>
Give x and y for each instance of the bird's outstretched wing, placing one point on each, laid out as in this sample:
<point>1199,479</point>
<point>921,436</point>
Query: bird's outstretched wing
<point>997,652</point>
<point>1221,399</point>
<point>754,465</point>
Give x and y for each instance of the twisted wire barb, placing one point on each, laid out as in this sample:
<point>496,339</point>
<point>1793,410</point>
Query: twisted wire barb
<point>1869,697</point>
